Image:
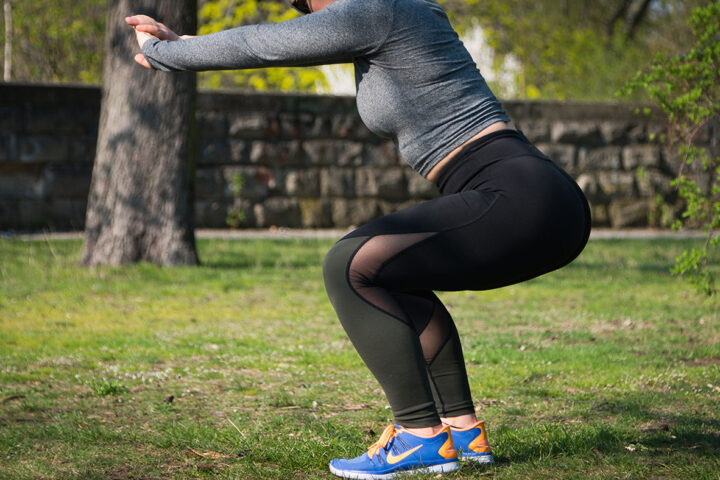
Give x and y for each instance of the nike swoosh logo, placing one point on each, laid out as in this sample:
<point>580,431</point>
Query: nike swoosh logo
<point>392,459</point>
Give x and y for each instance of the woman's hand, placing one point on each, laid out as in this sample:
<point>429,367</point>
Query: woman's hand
<point>147,28</point>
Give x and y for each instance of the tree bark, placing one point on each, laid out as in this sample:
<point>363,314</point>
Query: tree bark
<point>7,64</point>
<point>140,206</point>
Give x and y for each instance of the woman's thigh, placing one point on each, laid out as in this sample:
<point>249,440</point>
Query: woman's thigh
<point>526,218</point>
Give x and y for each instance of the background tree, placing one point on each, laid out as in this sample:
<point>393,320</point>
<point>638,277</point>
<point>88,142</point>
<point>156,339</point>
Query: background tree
<point>58,41</point>
<point>141,201</point>
<point>580,49</point>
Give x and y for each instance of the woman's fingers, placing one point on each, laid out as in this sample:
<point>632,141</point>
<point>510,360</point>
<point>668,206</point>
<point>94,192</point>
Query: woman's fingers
<point>160,31</point>
<point>139,19</point>
<point>143,23</point>
<point>140,58</point>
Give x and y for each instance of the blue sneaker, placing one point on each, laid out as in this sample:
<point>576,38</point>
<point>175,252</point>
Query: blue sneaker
<point>399,452</point>
<point>472,443</point>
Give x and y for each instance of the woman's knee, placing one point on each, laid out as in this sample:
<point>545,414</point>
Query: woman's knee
<point>337,263</point>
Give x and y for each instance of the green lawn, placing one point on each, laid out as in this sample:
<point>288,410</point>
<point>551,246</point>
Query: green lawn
<point>609,368</point>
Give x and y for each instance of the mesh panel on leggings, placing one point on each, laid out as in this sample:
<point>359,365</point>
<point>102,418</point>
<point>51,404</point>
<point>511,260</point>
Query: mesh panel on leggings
<point>423,310</point>
<point>369,259</point>
<point>436,332</point>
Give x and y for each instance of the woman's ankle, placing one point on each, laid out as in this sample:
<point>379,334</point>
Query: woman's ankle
<point>425,431</point>
<point>460,421</point>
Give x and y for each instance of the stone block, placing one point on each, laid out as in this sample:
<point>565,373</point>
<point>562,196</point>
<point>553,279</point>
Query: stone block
<point>43,148</point>
<point>380,155</point>
<point>11,118</point>
<point>315,212</point>
<point>366,184</point>
<point>67,181</point>
<point>239,151</point>
<point>21,185</point>
<point>653,132</point>
<point>599,214</point>
<point>387,208</point>
<point>650,182</point>
<point>353,212</point>
<point>337,182</point>
<point>214,152</point>
<point>537,131</point>
<point>277,154</point>
<point>349,126</point>
<point>82,149</point>
<point>617,132</point>
<point>562,154</point>
<point>212,214</point>
<point>253,125</point>
<point>419,187</point>
<point>66,213</point>
<point>209,184</point>
<point>709,132</point>
<point>625,213</point>
<point>602,158</point>
<point>302,183</point>
<point>296,125</point>
<point>256,183</point>
<point>392,184</point>
<point>31,214</point>
<point>321,127</point>
<point>334,152</point>
<point>60,119</point>
<point>645,155</point>
<point>279,212</point>
<point>349,153</point>
<point>9,147</point>
<point>577,133</point>
<point>589,185</point>
<point>386,183</point>
<point>616,184</point>
<point>9,217</point>
<point>240,213</point>
<point>212,125</point>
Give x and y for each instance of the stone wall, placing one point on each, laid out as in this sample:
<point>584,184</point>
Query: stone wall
<point>305,160</point>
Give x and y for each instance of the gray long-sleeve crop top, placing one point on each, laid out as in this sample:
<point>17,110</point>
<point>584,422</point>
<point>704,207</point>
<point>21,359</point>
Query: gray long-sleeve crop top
<point>416,83</point>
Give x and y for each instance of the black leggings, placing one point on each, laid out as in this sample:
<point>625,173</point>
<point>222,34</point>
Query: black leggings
<point>507,214</point>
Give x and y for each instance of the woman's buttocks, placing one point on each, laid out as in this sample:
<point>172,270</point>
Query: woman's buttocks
<point>540,212</point>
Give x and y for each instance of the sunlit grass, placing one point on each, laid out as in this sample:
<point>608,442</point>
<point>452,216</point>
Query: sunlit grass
<point>609,368</point>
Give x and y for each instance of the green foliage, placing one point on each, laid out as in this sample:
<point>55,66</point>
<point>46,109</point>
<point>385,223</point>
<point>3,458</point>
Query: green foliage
<point>574,50</point>
<point>236,214</point>
<point>217,15</point>
<point>104,388</point>
<point>581,49</point>
<point>687,88</point>
<point>59,41</point>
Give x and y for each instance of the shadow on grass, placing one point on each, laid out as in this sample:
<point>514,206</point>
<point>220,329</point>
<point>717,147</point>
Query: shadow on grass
<point>614,427</point>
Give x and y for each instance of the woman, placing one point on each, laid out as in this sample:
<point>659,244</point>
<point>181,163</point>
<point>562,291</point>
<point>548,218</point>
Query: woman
<point>507,213</point>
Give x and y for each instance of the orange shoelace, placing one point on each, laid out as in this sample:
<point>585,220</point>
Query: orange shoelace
<point>388,434</point>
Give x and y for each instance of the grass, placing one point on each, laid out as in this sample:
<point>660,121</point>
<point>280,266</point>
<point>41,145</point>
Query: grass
<point>608,368</point>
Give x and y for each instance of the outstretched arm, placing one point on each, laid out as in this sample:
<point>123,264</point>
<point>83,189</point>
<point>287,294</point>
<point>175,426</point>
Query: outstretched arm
<point>343,30</point>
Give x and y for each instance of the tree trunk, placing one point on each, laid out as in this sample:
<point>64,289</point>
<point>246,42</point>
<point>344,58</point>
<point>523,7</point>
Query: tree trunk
<point>7,64</point>
<point>140,206</point>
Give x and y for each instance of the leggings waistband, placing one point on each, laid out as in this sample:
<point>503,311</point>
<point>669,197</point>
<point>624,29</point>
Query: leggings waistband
<point>481,153</point>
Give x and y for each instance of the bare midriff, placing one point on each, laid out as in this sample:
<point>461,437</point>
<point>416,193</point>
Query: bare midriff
<point>434,173</point>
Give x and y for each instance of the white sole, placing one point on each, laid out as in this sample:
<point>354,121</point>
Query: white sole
<point>477,458</point>
<point>445,467</point>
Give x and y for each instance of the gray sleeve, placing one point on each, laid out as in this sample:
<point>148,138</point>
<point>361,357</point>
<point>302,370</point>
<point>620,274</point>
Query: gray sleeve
<point>335,34</point>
